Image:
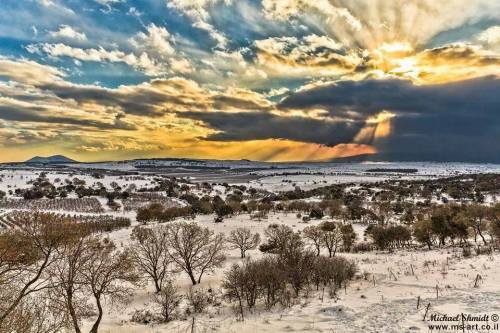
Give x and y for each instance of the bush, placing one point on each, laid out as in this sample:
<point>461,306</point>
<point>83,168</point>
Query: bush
<point>156,212</point>
<point>316,213</point>
<point>362,247</point>
<point>389,237</point>
<point>483,250</point>
<point>168,300</point>
<point>348,236</point>
<point>277,279</point>
<point>198,300</point>
<point>466,252</point>
<point>145,317</point>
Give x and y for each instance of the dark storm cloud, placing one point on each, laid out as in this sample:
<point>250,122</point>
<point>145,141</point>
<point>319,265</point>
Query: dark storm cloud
<point>147,100</point>
<point>371,96</point>
<point>448,122</point>
<point>38,115</point>
<point>224,102</point>
<point>451,122</point>
<point>262,125</point>
<point>464,54</point>
<point>137,102</point>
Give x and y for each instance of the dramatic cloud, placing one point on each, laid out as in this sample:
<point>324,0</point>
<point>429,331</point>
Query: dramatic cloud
<point>155,39</point>
<point>311,56</point>
<point>26,112</point>
<point>26,71</point>
<point>197,10</point>
<point>263,125</point>
<point>490,38</point>
<point>153,51</point>
<point>455,121</point>
<point>284,9</point>
<point>141,62</point>
<point>266,79</point>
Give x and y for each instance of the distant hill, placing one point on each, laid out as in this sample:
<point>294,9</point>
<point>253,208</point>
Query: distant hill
<point>356,159</point>
<point>56,159</point>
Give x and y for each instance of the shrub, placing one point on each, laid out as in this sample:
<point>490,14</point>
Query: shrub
<point>362,247</point>
<point>198,299</point>
<point>316,213</point>
<point>168,300</point>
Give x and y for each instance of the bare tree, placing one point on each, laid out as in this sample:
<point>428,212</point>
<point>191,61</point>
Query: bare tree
<point>36,314</point>
<point>243,239</point>
<point>168,300</point>
<point>315,236</point>
<point>25,255</point>
<point>332,237</point>
<point>477,215</point>
<point>150,254</point>
<point>66,274</point>
<point>105,274</point>
<point>194,249</point>
<point>280,238</point>
<point>235,286</point>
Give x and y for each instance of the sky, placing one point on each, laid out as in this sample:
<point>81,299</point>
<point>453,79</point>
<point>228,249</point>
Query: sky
<point>269,80</point>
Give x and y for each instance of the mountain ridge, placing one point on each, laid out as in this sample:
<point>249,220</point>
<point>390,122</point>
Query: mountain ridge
<point>54,159</point>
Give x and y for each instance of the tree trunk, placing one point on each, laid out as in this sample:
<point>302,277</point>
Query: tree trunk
<point>157,285</point>
<point>241,308</point>
<point>97,322</point>
<point>482,237</point>
<point>191,276</point>
<point>72,312</point>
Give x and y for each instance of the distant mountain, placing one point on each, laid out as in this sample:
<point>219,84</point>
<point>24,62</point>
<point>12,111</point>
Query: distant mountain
<point>56,159</point>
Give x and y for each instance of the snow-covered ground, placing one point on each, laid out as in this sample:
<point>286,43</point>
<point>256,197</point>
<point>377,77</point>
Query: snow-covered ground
<point>269,176</point>
<point>382,299</point>
<point>386,301</point>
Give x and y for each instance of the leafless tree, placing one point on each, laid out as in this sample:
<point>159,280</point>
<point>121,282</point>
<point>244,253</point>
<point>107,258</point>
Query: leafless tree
<point>150,254</point>
<point>243,239</point>
<point>194,249</point>
<point>332,237</point>
<point>271,281</point>
<point>105,275</point>
<point>328,271</point>
<point>297,265</point>
<point>235,286</point>
<point>68,287</point>
<point>26,253</point>
<point>36,314</point>
<point>477,215</point>
<point>315,236</point>
<point>168,300</point>
<point>281,238</point>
